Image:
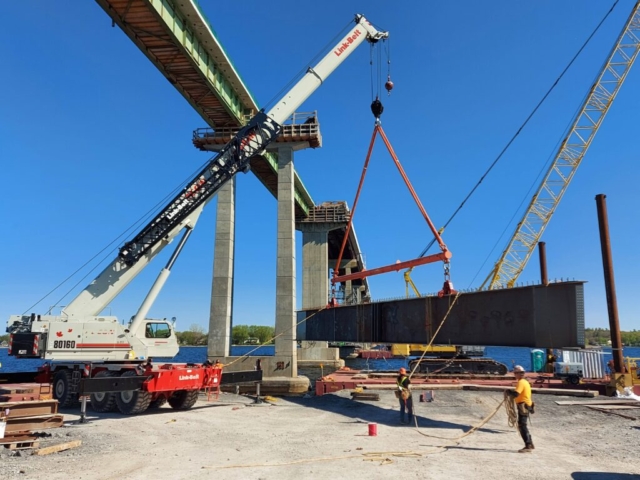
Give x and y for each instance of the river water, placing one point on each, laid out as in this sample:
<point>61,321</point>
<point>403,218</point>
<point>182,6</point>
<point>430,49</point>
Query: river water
<point>510,356</point>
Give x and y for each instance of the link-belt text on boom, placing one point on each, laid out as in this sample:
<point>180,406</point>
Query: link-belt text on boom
<point>347,43</point>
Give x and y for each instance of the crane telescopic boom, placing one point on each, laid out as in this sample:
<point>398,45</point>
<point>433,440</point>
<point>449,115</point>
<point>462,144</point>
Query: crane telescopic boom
<point>569,156</point>
<point>81,333</point>
<point>185,208</point>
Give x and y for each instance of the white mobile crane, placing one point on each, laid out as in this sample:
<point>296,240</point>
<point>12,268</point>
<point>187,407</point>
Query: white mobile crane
<point>82,343</point>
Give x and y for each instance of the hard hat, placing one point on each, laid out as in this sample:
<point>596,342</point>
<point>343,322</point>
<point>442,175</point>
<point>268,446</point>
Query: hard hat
<point>402,371</point>
<point>518,369</point>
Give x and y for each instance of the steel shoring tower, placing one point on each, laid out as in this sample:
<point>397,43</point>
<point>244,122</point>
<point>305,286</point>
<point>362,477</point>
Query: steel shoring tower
<point>569,156</point>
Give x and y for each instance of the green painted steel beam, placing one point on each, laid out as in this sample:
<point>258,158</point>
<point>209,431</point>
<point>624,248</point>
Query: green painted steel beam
<point>189,30</point>
<point>182,26</point>
<point>238,105</point>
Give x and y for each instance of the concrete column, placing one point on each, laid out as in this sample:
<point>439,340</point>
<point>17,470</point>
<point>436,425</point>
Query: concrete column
<point>220,312</point>
<point>315,268</point>
<point>285,345</point>
<point>348,290</point>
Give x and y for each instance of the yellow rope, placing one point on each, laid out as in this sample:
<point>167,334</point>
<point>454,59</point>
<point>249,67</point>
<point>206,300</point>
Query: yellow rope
<point>324,308</point>
<point>370,456</point>
<point>512,410</point>
<point>382,457</point>
<point>433,337</point>
<point>460,437</point>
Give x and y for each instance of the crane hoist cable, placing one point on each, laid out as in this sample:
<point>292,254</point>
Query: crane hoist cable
<point>529,117</point>
<point>569,156</point>
<point>305,69</point>
<point>109,248</point>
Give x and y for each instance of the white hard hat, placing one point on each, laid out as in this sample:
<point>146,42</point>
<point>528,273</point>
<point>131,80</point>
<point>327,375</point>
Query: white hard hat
<point>518,368</point>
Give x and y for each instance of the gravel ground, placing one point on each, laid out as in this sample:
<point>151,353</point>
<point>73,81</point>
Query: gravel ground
<point>327,437</point>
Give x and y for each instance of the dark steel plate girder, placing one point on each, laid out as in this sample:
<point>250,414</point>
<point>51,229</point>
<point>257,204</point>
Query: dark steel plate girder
<point>535,316</point>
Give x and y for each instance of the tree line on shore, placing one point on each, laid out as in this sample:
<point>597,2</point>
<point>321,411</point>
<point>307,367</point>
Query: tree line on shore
<point>240,335</point>
<point>602,336</point>
<point>260,334</point>
<point>196,336</point>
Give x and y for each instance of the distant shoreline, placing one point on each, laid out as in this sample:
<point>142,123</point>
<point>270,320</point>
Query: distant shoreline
<point>233,345</point>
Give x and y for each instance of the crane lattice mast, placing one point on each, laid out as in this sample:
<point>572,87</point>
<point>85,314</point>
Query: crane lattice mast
<point>569,156</point>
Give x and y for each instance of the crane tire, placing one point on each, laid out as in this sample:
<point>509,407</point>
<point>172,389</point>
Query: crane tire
<point>132,402</point>
<point>158,402</point>
<point>183,399</point>
<point>104,401</point>
<point>62,389</point>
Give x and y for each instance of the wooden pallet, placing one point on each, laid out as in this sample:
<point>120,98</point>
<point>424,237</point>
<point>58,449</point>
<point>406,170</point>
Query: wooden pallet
<point>19,442</point>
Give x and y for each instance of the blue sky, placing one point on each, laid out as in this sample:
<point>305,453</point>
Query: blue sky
<point>92,136</point>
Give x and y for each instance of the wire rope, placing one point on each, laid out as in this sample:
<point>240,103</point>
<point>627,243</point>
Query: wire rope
<point>304,69</point>
<point>506,147</point>
<point>144,218</point>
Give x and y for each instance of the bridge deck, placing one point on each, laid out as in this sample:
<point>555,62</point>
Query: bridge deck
<point>178,39</point>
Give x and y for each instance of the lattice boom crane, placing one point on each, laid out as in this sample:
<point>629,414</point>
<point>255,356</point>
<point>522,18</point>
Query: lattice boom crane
<point>569,156</point>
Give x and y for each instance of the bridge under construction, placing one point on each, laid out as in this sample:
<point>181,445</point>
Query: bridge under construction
<point>178,40</point>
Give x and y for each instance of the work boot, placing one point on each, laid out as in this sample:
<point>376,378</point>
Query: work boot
<point>527,449</point>
<point>402,421</point>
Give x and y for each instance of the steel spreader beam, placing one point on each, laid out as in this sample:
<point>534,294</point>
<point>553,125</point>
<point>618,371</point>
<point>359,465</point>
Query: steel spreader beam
<point>394,267</point>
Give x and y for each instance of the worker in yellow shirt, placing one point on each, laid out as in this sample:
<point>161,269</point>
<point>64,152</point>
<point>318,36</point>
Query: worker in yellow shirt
<point>522,396</point>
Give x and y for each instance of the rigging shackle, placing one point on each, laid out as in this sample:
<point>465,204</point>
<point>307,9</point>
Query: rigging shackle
<point>377,108</point>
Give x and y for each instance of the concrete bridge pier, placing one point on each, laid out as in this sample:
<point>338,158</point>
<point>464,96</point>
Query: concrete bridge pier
<point>220,320</point>
<point>280,370</point>
<point>315,357</point>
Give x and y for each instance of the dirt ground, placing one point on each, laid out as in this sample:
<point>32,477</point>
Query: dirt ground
<point>327,437</point>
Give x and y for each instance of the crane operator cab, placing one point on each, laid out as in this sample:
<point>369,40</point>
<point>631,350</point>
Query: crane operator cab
<point>157,337</point>
<point>155,329</point>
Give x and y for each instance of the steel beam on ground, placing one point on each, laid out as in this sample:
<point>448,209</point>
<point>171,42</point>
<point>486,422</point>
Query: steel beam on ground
<point>534,316</point>
<point>247,376</point>
<point>26,424</point>
<point>30,408</point>
<point>18,377</point>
